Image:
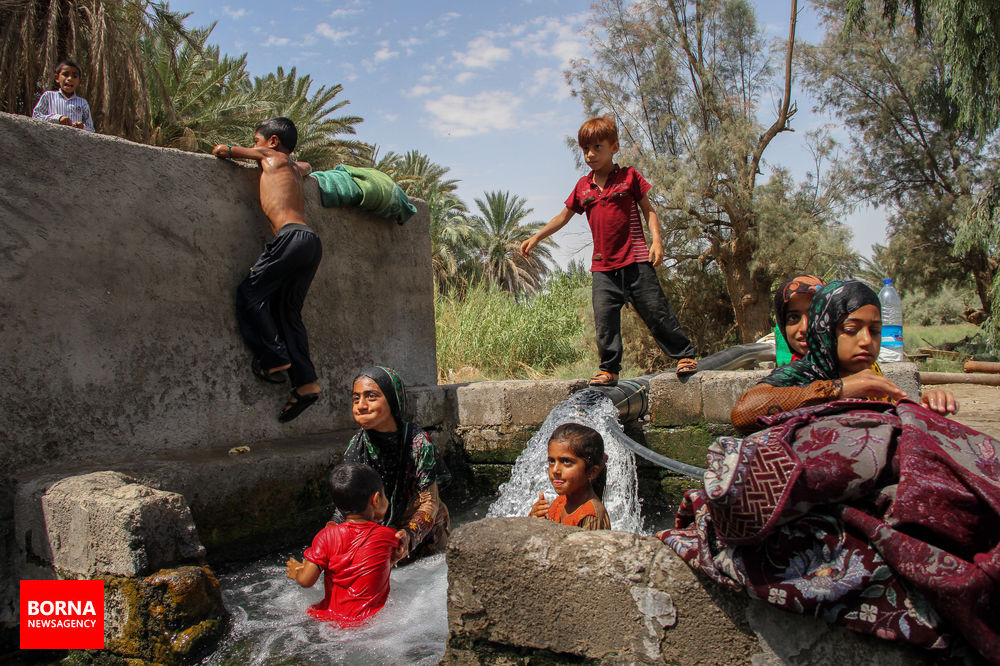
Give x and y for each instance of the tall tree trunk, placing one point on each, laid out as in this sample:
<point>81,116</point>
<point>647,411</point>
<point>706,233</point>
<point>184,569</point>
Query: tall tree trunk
<point>749,292</point>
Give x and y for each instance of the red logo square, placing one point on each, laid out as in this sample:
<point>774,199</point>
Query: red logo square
<point>62,614</point>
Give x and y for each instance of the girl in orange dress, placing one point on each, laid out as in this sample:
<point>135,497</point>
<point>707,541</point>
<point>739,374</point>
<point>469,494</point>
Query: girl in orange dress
<point>578,475</point>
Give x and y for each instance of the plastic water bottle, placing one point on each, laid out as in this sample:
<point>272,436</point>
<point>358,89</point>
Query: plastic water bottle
<point>892,323</point>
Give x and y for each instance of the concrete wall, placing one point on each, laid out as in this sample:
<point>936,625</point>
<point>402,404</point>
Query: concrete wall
<point>120,264</point>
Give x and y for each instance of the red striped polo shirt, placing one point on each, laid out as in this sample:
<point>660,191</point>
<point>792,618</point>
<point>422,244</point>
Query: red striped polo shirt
<point>614,217</point>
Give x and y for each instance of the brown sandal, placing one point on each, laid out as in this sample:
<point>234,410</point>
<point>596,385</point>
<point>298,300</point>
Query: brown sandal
<point>686,366</point>
<point>604,378</point>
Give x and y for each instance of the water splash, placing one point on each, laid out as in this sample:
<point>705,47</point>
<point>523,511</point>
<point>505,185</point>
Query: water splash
<point>529,476</point>
<point>270,624</point>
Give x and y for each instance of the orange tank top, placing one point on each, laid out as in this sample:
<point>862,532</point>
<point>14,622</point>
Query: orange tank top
<point>573,519</point>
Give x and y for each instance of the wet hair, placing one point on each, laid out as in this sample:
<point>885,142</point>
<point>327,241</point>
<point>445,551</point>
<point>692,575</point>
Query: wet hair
<point>68,63</point>
<point>588,445</point>
<point>281,127</point>
<point>595,130</point>
<point>352,485</point>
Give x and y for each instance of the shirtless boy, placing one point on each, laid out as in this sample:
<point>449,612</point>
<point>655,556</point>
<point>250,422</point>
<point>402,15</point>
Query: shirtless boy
<point>269,301</point>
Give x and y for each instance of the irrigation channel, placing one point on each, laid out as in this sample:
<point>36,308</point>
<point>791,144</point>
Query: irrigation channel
<point>270,625</point>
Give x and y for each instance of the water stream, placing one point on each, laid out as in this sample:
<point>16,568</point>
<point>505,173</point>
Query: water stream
<point>270,624</point>
<point>530,476</point>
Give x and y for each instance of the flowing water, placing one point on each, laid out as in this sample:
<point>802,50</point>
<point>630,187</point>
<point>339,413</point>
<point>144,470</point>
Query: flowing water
<point>270,624</point>
<point>530,473</point>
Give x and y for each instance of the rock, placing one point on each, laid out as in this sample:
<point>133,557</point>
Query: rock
<point>524,589</point>
<point>105,523</point>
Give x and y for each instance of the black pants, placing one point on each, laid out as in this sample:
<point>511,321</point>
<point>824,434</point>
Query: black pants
<point>636,283</point>
<point>269,301</point>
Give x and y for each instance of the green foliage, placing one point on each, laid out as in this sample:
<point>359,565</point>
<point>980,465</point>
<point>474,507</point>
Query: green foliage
<point>910,151</point>
<point>199,98</point>
<point>105,37</point>
<point>969,34</point>
<point>497,234</point>
<point>943,307</point>
<point>979,232</point>
<point>497,334</point>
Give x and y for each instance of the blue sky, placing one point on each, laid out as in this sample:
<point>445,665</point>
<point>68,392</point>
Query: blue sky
<point>476,86</point>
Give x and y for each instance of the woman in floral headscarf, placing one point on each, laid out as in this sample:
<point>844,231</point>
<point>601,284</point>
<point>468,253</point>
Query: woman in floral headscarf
<point>842,341</point>
<point>404,457</point>
<point>791,307</point>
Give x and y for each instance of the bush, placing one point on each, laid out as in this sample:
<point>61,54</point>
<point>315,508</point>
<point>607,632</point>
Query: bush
<point>496,334</point>
<point>945,307</point>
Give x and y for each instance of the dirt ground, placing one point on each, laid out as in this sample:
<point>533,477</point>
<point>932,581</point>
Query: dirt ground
<point>978,406</point>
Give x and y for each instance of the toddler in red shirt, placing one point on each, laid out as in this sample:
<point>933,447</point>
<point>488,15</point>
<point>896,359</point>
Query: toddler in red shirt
<point>623,265</point>
<point>356,555</point>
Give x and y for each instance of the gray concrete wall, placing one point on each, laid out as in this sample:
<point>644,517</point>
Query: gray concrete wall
<point>120,264</point>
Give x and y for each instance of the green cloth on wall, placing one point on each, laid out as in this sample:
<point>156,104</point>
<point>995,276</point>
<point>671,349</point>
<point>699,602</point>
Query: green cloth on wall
<point>337,188</point>
<point>380,195</point>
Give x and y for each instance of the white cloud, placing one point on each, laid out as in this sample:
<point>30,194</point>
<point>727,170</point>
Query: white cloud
<point>550,82</point>
<point>482,52</point>
<point>464,76</point>
<point>326,30</point>
<point>457,116</point>
<point>344,12</point>
<point>556,39</point>
<point>275,41</point>
<point>234,14</point>
<point>389,117</point>
<point>421,90</point>
<point>384,54</point>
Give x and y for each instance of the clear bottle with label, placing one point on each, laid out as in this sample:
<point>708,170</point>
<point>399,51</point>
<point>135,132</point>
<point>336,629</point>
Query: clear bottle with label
<point>892,323</point>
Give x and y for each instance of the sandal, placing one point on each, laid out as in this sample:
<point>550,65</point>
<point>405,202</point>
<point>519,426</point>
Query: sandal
<point>260,373</point>
<point>686,367</point>
<point>296,404</point>
<point>604,378</point>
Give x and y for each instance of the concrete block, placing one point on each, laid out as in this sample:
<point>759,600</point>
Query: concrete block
<point>482,404</point>
<point>429,405</point>
<point>721,390</point>
<point>107,523</point>
<point>522,590</point>
<point>531,401</point>
<point>673,402</point>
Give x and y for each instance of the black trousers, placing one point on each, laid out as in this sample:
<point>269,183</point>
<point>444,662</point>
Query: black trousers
<point>269,301</point>
<point>636,283</point>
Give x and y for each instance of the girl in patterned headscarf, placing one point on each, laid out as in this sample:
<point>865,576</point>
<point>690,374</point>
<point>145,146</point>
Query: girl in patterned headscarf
<point>404,457</point>
<point>843,339</point>
<point>791,303</point>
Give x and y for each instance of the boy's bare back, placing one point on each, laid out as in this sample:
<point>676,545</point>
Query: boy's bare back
<point>280,181</point>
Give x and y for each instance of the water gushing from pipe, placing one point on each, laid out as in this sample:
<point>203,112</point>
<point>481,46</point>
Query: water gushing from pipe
<point>529,475</point>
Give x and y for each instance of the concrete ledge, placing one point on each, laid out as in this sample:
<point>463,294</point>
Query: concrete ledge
<point>518,403</point>
<point>524,589</point>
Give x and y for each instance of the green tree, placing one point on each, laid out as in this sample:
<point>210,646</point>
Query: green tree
<point>910,151</point>
<point>105,37</point>
<point>685,80</point>
<point>199,98</point>
<point>497,236</point>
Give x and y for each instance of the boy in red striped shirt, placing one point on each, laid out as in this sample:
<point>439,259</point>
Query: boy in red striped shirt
<point>623,266</point>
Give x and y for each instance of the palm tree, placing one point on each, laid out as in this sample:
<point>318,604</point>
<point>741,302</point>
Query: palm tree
<point>451,234</point>
<point>103,36</point>
<point>288,96</point>
<point>199,98</point>
<point>497,237</point>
